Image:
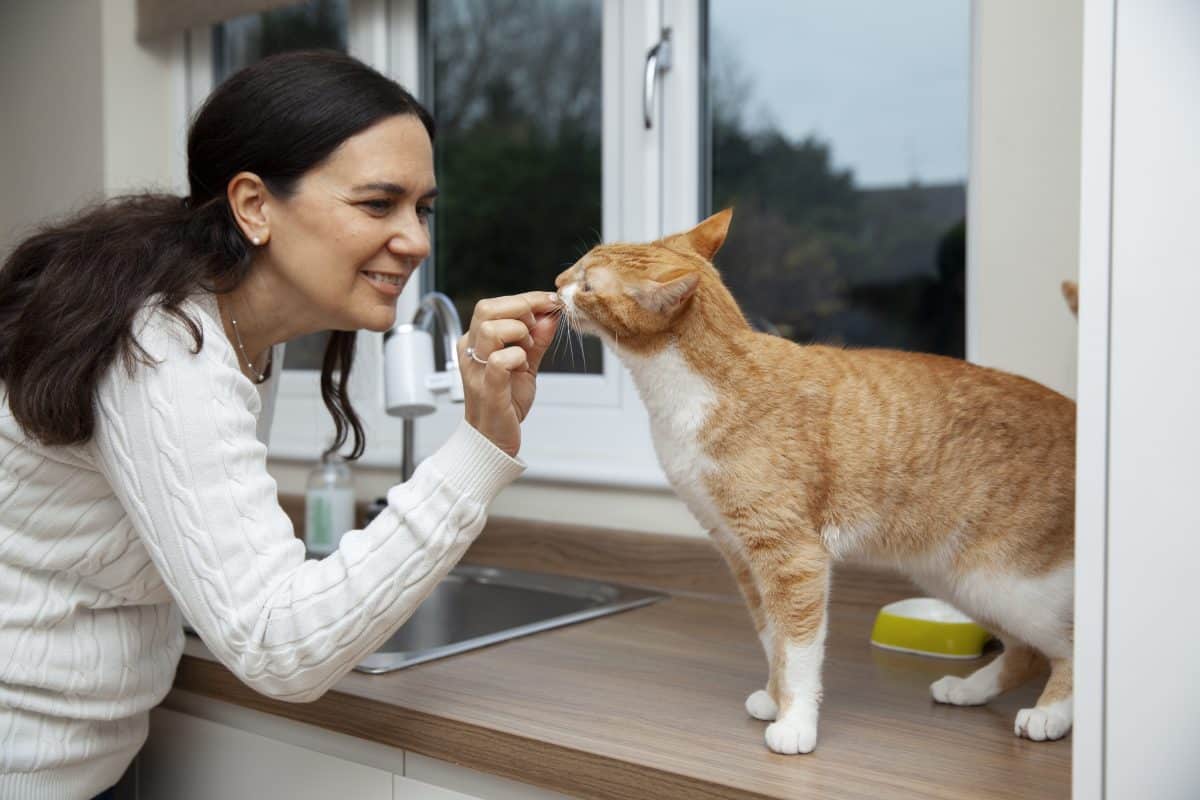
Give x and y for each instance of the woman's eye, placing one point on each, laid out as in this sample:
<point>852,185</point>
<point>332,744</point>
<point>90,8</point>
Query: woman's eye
<point>378,206</point>
<point>424,212</point>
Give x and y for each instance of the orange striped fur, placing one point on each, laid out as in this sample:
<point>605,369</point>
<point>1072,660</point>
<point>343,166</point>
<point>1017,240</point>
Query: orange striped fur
<point>796,457</point>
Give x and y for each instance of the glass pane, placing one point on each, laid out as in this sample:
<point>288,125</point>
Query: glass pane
<point>318,24</point>
<point>515,89</point>
<point>839,134</point>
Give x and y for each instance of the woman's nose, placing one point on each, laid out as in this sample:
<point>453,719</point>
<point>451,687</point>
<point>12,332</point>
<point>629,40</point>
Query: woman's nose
<point>410,240</point>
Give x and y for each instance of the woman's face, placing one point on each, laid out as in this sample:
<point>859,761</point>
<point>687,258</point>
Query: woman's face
<point>357,226</point>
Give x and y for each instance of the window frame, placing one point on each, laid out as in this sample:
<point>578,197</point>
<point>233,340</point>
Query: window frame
<point>584,429</point>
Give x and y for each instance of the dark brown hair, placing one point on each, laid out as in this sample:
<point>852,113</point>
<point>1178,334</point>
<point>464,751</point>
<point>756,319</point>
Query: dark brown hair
<point>68,294</point>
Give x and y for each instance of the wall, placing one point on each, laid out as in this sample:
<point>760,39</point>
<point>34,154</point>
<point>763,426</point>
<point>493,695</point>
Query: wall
<point>88,112</point>
<point>51,150</point>
<point>143,100</point>
<point>1024,204</point>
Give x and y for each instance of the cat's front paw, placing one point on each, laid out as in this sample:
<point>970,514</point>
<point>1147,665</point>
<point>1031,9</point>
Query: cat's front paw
<point>760,706</point>
<point>789,738</point>
<point>1043,724</point>
<point>957,692</point>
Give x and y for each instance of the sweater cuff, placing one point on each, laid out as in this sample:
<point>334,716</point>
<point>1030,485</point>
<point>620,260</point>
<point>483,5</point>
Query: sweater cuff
<point>470,462</point>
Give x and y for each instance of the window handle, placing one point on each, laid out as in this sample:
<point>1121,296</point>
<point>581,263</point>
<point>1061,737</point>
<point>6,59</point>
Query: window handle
<point>658,59</point>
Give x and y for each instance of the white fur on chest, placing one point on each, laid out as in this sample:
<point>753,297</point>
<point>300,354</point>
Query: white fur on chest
<point>680,403</point>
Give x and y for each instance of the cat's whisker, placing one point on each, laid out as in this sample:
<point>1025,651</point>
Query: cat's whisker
<point>560,332</point>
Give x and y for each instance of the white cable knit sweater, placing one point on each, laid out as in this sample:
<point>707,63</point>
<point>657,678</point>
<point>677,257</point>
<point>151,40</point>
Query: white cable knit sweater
<point>169,509</point>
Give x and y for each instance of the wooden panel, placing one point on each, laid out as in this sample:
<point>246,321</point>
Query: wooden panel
<point>186,758</point>
<point>648,703</point>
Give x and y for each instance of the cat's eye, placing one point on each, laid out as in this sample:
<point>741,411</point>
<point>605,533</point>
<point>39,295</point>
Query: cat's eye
<point>587,287</point>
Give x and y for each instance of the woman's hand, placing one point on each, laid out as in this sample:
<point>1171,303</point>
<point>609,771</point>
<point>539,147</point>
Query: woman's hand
<point>511,334</point>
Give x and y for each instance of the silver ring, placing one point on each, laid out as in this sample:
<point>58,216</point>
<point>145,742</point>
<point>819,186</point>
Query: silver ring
<point>471,355</point>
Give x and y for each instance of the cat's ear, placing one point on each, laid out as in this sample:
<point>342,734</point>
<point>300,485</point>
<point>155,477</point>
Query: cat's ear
<point>1070,291</point>
<point>706,238</point>
<point>666,296</point>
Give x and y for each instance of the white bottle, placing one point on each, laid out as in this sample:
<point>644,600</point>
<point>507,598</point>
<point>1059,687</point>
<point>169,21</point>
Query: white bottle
<point>328,506</point>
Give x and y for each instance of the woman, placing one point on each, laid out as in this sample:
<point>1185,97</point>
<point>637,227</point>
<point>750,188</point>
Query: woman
<point>139,346</point>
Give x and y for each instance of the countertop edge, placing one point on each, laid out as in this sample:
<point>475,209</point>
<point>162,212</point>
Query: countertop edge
<point>582,774</point>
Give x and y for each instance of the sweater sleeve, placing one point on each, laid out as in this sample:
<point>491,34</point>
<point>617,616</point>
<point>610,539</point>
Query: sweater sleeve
<point>177,442</point>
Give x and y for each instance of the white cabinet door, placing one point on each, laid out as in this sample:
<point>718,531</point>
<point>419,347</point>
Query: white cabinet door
<point>407,789</point>
<point>429,779</point>
<point>186,758</point>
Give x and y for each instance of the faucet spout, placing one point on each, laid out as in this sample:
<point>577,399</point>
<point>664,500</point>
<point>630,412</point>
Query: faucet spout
<point>410,379</point>
<point>439,306</point>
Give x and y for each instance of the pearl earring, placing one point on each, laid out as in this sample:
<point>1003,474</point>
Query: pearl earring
<point>255,240</point>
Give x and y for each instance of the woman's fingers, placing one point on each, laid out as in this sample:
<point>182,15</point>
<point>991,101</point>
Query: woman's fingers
<point>501,364</point>
<point>542,335</point>
<point>508,335</point>
<point>497,334</point>
<point>524,307</point>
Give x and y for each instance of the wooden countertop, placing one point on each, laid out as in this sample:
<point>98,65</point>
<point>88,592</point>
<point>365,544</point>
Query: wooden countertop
<point>647,704</point>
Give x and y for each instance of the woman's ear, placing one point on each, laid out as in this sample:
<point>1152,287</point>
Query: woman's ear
<point>667,296</point>
<point>247,195</point>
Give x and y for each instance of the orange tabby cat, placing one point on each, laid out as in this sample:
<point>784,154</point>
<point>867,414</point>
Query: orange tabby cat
<point>796,457</point>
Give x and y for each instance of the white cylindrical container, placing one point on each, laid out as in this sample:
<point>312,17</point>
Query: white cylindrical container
<point>328,506</point>
<point>407,362</point>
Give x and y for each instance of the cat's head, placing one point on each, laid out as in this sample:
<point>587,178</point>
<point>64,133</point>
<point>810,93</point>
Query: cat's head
<point>630,292</point>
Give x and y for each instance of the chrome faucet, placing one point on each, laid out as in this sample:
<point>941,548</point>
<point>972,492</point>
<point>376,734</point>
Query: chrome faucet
<point>410,381</point>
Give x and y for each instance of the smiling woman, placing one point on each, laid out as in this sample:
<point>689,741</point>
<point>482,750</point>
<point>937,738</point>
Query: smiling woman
<point>139,345</point>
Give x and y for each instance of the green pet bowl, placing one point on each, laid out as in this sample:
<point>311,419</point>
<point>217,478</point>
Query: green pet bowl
<point>928,627</point>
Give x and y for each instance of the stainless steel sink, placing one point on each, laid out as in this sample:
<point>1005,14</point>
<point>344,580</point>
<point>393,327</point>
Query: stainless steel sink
<point>478,606</point>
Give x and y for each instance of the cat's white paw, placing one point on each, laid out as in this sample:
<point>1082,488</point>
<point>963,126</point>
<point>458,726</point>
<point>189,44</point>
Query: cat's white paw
<point>789,738</point>
<point>760,706</point>
<point>1044,723</point>
<point>958,692</point>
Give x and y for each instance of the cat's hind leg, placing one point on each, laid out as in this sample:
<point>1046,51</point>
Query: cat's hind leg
<point>759,704</point>
<point>1053,715</point>
<point>1012,668</point>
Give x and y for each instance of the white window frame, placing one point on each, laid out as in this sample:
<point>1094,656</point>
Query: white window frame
<point>593,428</point>
<point>585,428</point>
<point>590,429</point>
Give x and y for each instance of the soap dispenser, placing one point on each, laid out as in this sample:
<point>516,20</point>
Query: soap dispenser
<point>329,505</point>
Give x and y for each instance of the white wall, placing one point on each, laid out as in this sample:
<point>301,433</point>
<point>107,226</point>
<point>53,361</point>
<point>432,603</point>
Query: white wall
<point>88,112</point>
<point>1023,215</point>
<point>143,88</point>
<point>1152,724</point>
<point>51,106</point>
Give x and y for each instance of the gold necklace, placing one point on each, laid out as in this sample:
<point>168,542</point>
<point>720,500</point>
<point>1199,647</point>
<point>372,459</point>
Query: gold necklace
<point>255,375</point>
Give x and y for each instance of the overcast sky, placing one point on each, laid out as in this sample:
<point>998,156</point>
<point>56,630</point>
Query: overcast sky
<point>884,81</point>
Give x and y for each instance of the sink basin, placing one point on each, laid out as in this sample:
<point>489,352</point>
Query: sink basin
<point>477,606</point>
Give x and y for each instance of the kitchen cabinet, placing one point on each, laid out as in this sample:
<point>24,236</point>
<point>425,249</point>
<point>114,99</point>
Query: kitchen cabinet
<point>188,758</point>
<point>200,749</point>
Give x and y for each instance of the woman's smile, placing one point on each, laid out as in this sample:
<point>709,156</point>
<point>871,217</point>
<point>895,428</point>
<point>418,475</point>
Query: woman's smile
<point>388,283</point>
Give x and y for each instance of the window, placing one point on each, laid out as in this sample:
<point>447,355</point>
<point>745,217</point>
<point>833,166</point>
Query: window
<point>838,131</point>
<point>518,149</point>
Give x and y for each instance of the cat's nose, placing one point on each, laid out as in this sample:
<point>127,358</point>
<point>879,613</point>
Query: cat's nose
<point>563,278</point>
